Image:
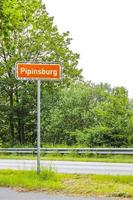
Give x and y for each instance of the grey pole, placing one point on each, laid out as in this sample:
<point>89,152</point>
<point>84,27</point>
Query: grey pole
<point>38,126</point>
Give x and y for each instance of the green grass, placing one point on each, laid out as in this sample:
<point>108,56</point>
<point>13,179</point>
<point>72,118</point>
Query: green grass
<point>81,185</point>
<point>47,180</point>
<point>74,157</point>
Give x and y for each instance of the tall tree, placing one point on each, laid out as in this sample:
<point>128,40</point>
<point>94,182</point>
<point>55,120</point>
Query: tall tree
<point>27,33</point>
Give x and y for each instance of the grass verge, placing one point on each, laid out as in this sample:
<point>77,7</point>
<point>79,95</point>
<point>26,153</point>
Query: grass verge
<point>74,157</point>
<point>47,180</point>
<point>84,185</point>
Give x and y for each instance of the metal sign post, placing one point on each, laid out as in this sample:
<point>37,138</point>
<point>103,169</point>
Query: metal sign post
<point>38,126</point>
<point>38,72</point>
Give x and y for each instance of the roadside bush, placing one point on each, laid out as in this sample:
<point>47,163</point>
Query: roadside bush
<point>101,136</point>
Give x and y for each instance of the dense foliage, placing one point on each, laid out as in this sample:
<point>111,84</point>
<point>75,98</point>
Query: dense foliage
<point>84,113</point>
<point>72,111</point>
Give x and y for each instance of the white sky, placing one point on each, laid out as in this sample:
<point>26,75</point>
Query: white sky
<point>102,32</point>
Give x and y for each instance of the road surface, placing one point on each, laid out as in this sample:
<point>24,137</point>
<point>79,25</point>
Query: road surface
<point>8,194</point>
<point>71,167</point>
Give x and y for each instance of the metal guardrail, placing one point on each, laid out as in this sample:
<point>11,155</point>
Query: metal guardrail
<point>122,151</point>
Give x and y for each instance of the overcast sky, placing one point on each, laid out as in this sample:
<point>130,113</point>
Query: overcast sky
<point>102,32</point>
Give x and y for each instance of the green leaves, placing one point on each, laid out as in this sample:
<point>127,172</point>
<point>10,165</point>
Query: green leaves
<point>72,111</point>
<point>27,33</point>
<point>94,115</point>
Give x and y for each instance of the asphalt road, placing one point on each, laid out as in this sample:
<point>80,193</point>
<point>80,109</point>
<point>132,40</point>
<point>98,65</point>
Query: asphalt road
<point>71,167</point>
<point>8,194</point>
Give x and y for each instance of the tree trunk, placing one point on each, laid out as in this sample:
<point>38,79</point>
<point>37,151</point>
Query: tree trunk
<point>20,119</point>
<point>11,117</point>
<point>21,129</point>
